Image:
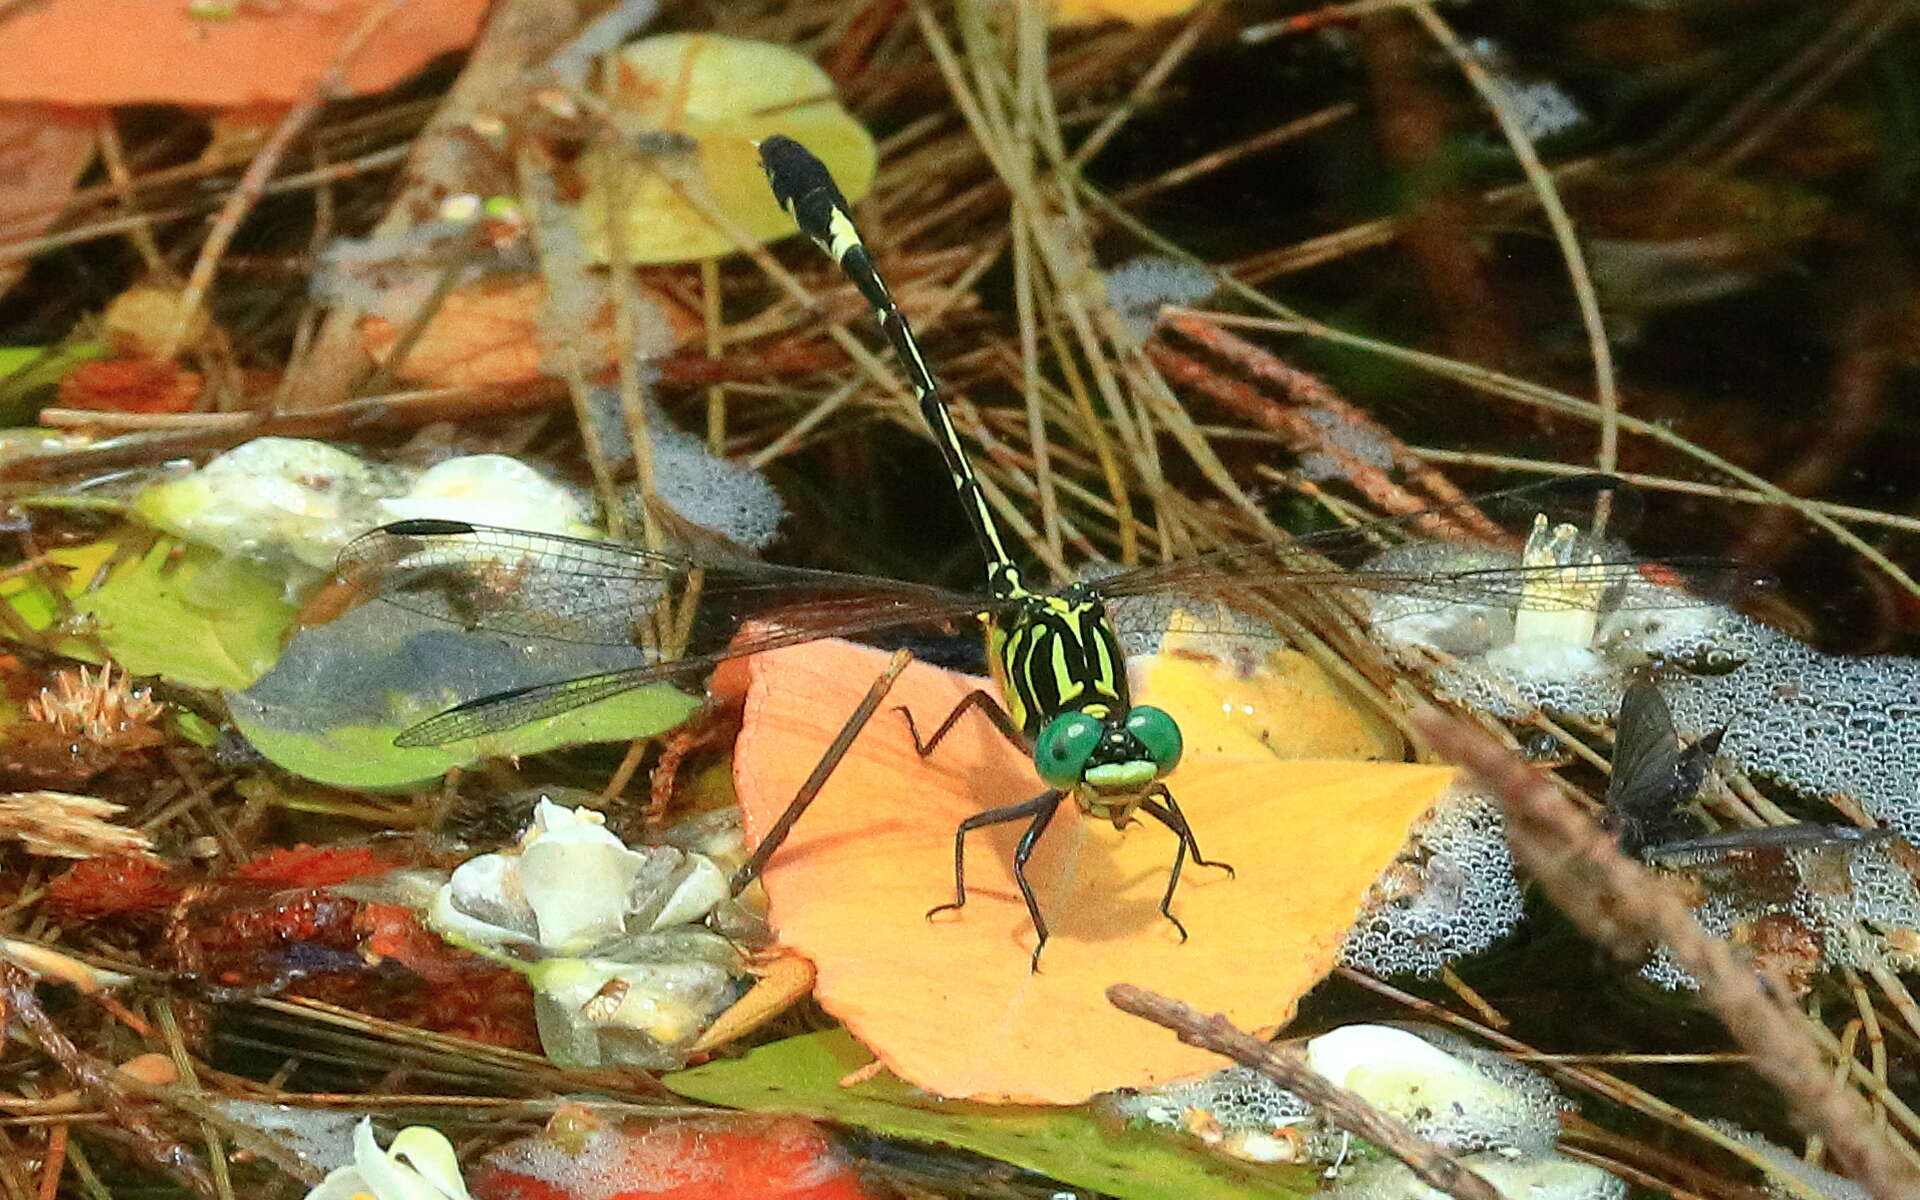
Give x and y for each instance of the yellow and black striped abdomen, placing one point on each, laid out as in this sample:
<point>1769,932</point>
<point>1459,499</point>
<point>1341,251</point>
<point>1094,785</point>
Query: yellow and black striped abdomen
<point>1057,654</point>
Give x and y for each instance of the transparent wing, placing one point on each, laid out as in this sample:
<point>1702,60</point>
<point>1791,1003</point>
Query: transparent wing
<point>501,711</point>
<point>512,581</point>
<point>1631,582</point>
<point>1454,554</point>
<point>506,710</point>
<point>566,589</point>
<point>1800,837</point>
<point>541,585</point>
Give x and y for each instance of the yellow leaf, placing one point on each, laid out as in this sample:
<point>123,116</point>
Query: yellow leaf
<point>724,94</point>
<point>1265,700</point>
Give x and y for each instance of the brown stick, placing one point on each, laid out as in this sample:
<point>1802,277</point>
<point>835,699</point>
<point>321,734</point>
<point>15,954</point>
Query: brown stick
<point>1310,392</point>
<point>1620,904</point>
<point>822,771</point>
<point>1302,436</point>
<point>1434,1165</point>
<point>97,1079</point>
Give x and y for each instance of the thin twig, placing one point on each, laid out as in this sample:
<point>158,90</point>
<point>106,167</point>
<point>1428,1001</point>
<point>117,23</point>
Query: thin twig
<point>254,180</point>
<point>1606,387</point>
<point>1433,1164</point>
<point>96,1078</point>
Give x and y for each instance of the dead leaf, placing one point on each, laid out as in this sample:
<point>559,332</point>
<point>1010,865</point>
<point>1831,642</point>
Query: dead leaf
<point>488,332</point>
<point>132,385</point>
<point>949,1004</point>
<point>722,95</point>
<point>145,318</point>
<point>43,149</point>
<point>783,982</point>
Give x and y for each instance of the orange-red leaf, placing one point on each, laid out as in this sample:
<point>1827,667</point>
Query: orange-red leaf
<point>132,385</point>
<point>108,52</point>
<point>305,866</point>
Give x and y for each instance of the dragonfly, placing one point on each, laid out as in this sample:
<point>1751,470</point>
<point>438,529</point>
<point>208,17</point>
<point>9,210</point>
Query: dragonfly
<point>1059,688</point>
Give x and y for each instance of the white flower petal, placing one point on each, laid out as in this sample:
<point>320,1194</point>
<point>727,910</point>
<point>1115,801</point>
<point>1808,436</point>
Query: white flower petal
<point>484,902</point>
<point>558,823</point>
<point>428,1152</point>
<point>341,1183</point>
<point>702,886</point>
<point>578,890</point>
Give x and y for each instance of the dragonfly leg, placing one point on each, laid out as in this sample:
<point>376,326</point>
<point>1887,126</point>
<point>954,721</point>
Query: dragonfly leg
<point>1162,807</point>
<point>989,706</point>
<point>1040,809</point>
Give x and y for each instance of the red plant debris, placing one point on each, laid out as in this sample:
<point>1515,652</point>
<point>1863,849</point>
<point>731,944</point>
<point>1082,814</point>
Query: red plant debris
<point>114,885</point>
<point>305,866</point>
<point>131,385</point>
<point>704,1159</point>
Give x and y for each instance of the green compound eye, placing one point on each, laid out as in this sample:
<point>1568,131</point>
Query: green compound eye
<point>1158,733</point>
<point>1064,746</point>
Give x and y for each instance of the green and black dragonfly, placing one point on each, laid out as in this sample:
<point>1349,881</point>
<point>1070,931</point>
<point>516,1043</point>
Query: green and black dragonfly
<point>1055,654</point>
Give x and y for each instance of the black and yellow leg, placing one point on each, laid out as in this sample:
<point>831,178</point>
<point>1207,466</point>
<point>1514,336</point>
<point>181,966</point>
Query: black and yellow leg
<point>1040,809</point>
<point>989,706</point>
<point>1163,808</point>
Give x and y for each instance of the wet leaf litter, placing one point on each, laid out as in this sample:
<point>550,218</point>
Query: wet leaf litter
<point>543,290</point>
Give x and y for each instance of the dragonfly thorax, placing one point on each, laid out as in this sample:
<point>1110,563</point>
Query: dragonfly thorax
<point>1053,653</point>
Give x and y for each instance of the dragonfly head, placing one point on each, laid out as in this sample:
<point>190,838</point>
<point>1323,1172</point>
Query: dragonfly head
<point>1107,751</point>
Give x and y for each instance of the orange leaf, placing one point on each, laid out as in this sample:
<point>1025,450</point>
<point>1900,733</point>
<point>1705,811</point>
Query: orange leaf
<point>133,385</point>
<point>107,52</point>
<point>949,1004</point>
<point>489,333</point>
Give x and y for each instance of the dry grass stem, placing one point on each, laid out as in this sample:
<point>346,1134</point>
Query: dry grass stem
<point>1622,906</point>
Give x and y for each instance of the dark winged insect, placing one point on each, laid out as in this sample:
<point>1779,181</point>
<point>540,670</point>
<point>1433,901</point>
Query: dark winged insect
<point>1654,776</point>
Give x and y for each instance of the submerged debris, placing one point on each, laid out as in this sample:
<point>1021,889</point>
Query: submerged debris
<point>1799,899</point>
<point>1446,1090</point>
